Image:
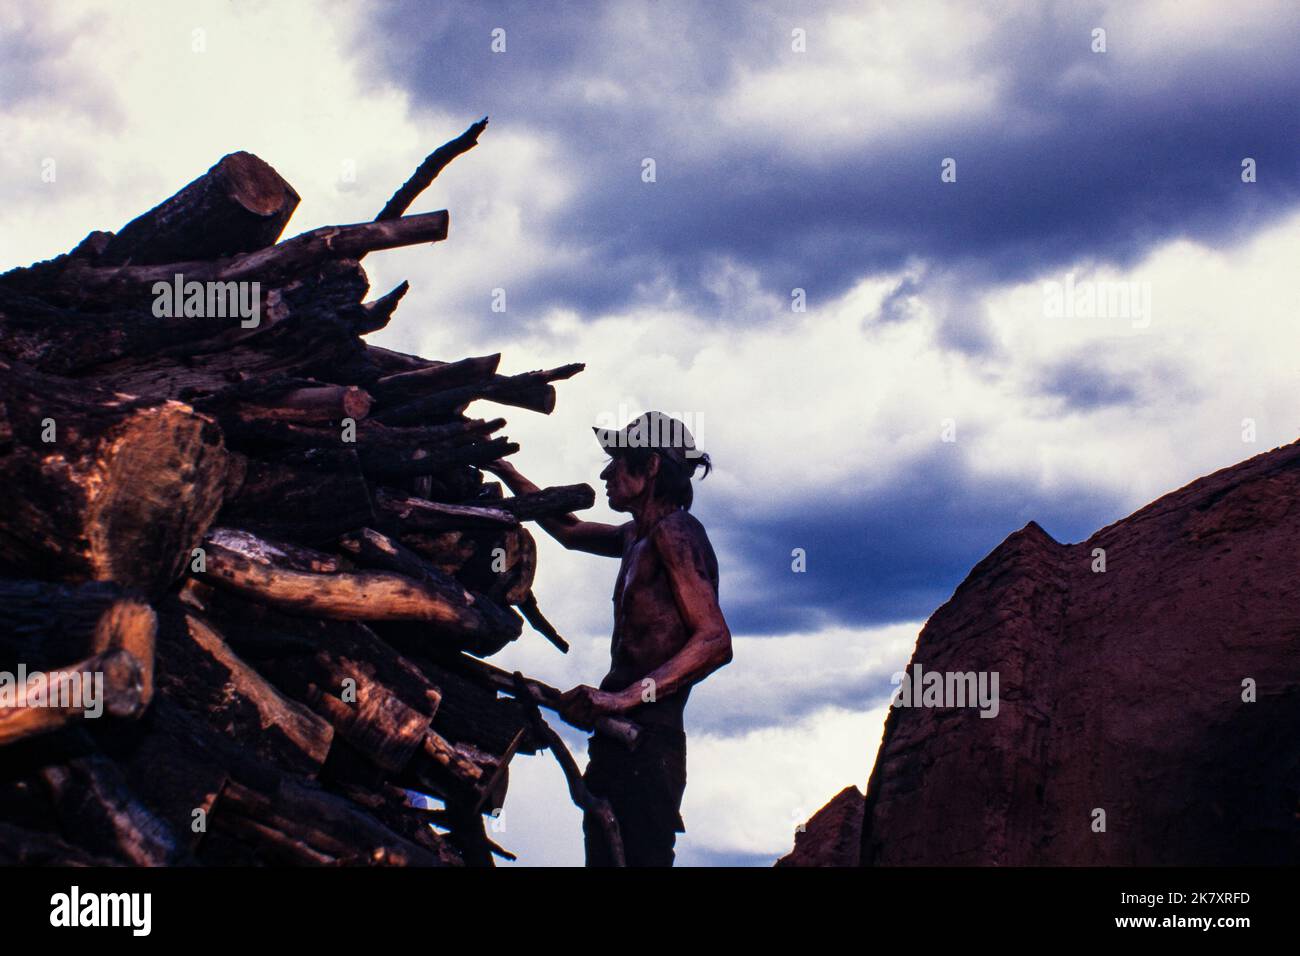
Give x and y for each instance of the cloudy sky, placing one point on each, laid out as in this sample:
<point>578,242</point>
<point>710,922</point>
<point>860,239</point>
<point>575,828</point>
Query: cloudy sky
<point>927,174</point>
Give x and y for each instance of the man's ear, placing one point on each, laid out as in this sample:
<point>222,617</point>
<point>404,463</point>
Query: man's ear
<point>652,466</point>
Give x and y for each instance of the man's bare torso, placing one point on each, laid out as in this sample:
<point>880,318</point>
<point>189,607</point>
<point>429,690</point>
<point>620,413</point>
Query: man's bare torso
<point>648,624</point>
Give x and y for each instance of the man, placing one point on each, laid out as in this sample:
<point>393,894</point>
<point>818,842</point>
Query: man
<point>669,633</point>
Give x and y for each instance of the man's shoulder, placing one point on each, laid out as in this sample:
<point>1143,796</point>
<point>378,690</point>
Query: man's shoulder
<point>681,522</point>
<point>682,529</point>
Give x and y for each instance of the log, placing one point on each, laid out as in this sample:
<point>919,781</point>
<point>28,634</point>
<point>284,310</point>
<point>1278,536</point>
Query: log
<point>239,205</point>
<point>528,390</point>
<point>124,492</point>
<point>269,266</point>
<point>401,387</point>
<point>407,513</point>
<point>50,700</point>
<point>257,569</point>
<point>559,500</point>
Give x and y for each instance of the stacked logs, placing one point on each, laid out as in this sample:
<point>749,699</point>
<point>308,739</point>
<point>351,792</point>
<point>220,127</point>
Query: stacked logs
<point>271,540</point>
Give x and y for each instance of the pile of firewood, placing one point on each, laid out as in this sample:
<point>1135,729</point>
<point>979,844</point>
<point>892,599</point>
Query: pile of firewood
<point>273,540</point>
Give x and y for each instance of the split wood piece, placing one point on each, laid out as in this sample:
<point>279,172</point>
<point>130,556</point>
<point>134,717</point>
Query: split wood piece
<point>559,500</point>
<point>377,314</point>
<point>533,615</point>
<point>626,732</point>
<point>269,266</point>
<point>239,205</point>
<point>587,801</point>
<point>529,390</point>
<point>299,504</point>
<point>428,170</point>
<point>407,513</point>
<point>123,492</point>
<point>401,387</point>
<point>253,567</point>
<point>111,683</point>
<point>299,824</point>
<point>203,674</point>
<point>93,801</point>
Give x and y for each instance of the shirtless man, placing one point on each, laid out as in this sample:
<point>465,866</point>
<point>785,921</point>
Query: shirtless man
<point>669,633</point>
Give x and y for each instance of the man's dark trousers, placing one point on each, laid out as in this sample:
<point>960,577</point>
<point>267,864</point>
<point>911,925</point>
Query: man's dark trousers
<point>644,787</point>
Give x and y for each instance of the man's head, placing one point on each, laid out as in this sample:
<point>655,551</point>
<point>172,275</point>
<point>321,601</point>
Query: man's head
<point>652,453</point>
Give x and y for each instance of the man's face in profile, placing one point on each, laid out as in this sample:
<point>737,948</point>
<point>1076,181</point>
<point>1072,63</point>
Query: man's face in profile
<point>621,485</point>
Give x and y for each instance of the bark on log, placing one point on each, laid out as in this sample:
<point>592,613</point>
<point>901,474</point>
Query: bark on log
<point>239,205</point>
<point>123,492</point>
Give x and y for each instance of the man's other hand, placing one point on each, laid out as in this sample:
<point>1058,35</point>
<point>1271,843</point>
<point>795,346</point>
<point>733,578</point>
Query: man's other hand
<point>582,705</point>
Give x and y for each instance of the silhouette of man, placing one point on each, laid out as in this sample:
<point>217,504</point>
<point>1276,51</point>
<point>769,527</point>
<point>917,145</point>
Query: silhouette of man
<point>669,632</point>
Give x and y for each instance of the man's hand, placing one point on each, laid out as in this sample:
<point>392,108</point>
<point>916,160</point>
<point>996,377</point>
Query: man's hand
<point>502,468</point>
<point>583,705</point>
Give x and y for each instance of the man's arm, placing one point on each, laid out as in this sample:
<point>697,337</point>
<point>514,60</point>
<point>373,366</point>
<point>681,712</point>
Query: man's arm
<point>707,648</point>
<point>594,537</point>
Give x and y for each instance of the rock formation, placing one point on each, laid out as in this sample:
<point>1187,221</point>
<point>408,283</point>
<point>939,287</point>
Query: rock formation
<point>1149,713</point>
<point>833,836</point>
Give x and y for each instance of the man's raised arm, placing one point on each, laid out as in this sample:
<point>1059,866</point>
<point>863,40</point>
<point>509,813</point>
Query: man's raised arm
<point>594,537</point>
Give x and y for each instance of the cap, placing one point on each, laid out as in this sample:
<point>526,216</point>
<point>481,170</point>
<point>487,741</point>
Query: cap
<point>654,430</point>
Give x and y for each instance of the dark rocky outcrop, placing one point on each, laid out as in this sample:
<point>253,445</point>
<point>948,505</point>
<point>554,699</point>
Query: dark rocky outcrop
<point>832,837</point>
<point>1126,691</point>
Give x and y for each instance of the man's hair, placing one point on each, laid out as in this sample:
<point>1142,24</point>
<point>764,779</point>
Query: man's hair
<point>673,482</point>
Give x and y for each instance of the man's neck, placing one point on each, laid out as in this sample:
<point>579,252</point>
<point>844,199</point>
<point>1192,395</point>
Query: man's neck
<point>647,514</point>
